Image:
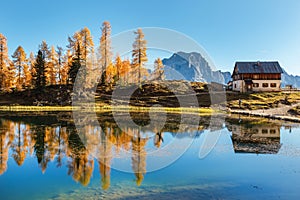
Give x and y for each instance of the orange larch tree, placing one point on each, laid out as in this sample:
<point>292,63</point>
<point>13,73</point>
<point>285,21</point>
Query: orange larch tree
<point>111,73</point>
<point>52,66</point>
<point>66,66</point>
<point>105,51</point>
<point>118,65</point>
<point>139,55</point>
<point>125,71</point>
<point>31,63</point>
<point>158,73</point>
<point>19,62</point>
<point>6,72</point>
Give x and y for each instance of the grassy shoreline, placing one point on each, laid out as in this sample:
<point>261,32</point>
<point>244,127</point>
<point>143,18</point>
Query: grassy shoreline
<point>105,108</point>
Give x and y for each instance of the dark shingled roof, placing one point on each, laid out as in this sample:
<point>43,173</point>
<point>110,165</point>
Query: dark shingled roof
<point>258,68</point>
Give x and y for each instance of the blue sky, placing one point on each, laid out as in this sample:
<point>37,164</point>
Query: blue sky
<point>229,30</point>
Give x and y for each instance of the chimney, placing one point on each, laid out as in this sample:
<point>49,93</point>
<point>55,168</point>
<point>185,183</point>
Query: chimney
<point>258,63</point>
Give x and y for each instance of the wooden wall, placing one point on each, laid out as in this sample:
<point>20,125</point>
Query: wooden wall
<point>257,76</point>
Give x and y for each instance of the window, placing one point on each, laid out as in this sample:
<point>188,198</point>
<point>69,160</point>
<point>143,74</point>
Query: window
<point>264,131</point>
<point>273,85</point>
<point>256,85</point>
<point>272,131</point>
<point>234,85</point>
<point>265,84</point>
<point>236,77</point>
<point>255,131</point>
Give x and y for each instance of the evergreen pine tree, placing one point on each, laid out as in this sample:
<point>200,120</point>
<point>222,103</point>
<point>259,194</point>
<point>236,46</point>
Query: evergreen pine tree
<point>60,62</point>
<point>76,64</point>
<point>39,76</point>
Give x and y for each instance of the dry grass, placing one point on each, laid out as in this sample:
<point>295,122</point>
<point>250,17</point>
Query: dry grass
<point>106,108</point>
<point>295,111</point>
<point>264,100</point>
<point>36,108</point>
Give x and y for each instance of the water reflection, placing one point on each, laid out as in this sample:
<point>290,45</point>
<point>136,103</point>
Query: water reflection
<point>254,137</point>
<point>54,138</point>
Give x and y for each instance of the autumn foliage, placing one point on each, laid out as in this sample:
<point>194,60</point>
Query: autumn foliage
<point>58,66</point>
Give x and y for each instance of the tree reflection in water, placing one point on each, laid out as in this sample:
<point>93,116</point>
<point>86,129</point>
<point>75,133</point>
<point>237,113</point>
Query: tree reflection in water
<point>54,138</point>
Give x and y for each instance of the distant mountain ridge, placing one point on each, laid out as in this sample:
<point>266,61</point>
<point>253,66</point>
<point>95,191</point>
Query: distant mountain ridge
<point>194,67</point>
<point>288,79</point>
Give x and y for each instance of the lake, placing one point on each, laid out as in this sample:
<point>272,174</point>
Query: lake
<point>53,156</point>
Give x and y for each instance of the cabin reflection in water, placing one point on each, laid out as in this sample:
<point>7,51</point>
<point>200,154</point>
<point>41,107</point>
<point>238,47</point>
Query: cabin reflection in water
<point>259,139</point>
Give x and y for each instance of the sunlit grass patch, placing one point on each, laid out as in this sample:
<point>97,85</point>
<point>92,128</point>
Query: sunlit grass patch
<point>17,108</point>
<point>264,100</point>
<point>105,108</point>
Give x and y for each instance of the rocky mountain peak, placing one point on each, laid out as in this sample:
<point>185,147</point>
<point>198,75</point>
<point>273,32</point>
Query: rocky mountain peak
<point>192,67</point>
